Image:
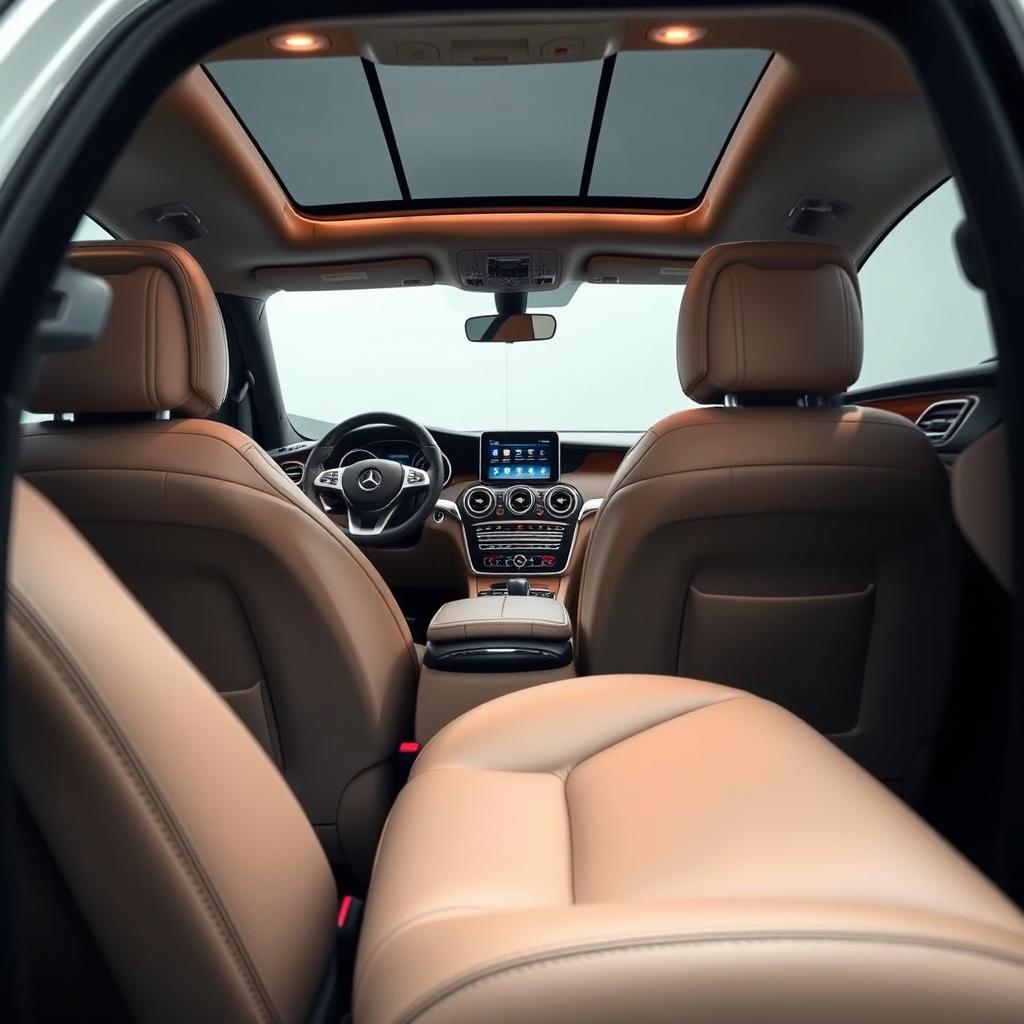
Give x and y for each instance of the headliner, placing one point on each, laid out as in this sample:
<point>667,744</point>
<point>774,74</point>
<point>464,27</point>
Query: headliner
<point>837,111</point>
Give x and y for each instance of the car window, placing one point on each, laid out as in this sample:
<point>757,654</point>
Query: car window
<point>611,366</point>
<point>89,230</point>
<point>921,315</point>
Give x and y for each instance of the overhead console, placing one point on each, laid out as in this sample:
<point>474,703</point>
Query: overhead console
<point>515,270</point>
<point>519,518</point>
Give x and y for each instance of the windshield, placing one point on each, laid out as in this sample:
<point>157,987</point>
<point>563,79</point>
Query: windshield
<point>610,367</point>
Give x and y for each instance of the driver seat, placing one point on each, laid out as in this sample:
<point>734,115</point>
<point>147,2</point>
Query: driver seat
<point>273,604</point>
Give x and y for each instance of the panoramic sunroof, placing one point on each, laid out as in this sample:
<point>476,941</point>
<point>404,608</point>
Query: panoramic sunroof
<point>642,128</point>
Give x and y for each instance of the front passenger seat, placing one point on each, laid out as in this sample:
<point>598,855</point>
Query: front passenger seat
<point>782,542</point>
<point>274,605</point>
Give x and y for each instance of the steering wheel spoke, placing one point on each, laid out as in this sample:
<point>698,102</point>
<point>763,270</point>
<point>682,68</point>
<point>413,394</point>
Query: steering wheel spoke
<point>329,481</point>
<point>416,479</point>
<point>370,524</point>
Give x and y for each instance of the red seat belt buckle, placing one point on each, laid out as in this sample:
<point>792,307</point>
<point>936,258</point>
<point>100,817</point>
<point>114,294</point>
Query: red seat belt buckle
<point>408,751</point>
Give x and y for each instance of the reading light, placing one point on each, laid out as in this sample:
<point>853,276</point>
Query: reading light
<point>676,35</point>
<point>300,42</point>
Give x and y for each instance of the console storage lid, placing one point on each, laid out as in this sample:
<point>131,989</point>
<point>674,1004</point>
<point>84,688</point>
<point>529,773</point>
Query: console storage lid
<point>506,618</point>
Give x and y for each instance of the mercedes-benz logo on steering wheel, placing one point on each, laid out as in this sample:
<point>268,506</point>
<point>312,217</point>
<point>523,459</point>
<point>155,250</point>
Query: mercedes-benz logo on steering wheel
<point>369,479</point>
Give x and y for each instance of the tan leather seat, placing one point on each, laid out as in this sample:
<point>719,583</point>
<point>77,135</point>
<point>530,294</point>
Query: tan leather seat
<point>272,603</point>
<point>638,848</point>
<point>606,849</point>
<point>803,552</point>
<point>161,848</point>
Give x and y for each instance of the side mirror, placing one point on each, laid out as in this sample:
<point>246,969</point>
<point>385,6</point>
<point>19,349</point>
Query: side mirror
<point>511,327</point>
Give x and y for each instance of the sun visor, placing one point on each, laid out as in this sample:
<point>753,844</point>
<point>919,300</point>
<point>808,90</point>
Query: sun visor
<point>637,270</point>
<point>405,273</point>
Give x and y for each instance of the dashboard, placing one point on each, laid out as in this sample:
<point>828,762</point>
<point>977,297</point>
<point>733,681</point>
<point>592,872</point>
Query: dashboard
<point>488,523</point>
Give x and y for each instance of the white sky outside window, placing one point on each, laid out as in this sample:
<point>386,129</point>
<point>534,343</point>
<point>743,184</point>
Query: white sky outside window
<point>610,367</point>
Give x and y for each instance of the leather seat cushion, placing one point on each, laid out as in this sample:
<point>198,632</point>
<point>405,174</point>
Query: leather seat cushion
<point>660,849</point>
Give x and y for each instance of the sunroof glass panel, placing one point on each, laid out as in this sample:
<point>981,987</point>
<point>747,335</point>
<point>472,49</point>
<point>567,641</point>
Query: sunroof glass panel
<point>668,115</point>
<point>316,123</point>
<point>466,132</point>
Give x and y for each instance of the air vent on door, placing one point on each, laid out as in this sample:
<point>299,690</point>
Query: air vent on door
<point>942,420</point>
<point>295,471</point>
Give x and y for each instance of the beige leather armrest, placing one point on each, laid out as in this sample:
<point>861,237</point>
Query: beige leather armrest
<point>526,618</point>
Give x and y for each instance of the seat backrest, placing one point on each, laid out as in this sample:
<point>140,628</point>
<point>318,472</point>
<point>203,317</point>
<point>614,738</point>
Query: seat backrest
<point>798,549</point>
<point>276,607</point>
<point>195,878</point>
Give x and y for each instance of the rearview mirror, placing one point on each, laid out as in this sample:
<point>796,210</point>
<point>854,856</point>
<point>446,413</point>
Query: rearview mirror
<point>511,327</point>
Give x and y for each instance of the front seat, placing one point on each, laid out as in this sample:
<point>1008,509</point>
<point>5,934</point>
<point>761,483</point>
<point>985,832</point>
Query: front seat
<point>783,543</point>
<point>597,850</point>
<point>274,605</point>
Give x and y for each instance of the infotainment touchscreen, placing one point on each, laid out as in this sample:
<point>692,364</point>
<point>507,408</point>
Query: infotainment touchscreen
<point>518,456</point>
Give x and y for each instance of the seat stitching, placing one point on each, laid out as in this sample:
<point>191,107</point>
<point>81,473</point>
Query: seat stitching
<point>663,721</point>
<point>572,857</point>
<point>153,801</point>
<point>149,342</point>
<point>369,956</point>
<point>671,717</point>
<point>499,969</point>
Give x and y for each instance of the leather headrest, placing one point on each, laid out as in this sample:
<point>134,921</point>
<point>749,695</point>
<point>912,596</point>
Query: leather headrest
<point>770,317</point>
<point>164,346</point>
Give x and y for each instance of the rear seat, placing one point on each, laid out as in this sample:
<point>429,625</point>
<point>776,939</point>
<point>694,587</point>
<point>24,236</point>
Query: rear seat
<point>658,849</point>
<point>603,849</point>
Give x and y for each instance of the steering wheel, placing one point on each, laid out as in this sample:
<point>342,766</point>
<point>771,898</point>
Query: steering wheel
<point>373,490</point>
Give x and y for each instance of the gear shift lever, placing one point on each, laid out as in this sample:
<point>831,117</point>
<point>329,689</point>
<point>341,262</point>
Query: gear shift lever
<point>518,587</point>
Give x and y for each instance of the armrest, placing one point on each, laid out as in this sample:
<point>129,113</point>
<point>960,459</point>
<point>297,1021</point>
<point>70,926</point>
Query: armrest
<point>510,618</point>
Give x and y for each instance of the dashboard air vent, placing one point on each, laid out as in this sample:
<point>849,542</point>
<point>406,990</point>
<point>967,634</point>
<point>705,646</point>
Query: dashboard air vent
<point>295,471</point>
<point>519,500</point>
<point>479,501</point>
<point>561,501</point>
<point>942,420</point>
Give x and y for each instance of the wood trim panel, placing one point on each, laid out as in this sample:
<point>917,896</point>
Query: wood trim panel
<point>911,406</point>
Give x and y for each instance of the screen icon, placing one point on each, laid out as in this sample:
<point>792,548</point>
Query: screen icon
<point>508,471</point>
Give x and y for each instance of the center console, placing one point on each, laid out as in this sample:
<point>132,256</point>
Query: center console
<point>478,650</point>
<point>519,518</point>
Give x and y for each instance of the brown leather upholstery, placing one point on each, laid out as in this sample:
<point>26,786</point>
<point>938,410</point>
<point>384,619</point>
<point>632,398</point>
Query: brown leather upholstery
<point>268,598</point>
<point>190,861</point>
<point>804,554</point>
<point>983,501</point>
<point>662,850</point>
<point>770,316</point>
<point>164,344</point>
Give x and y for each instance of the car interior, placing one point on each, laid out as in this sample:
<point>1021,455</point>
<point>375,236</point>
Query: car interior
<point>528,537</point>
